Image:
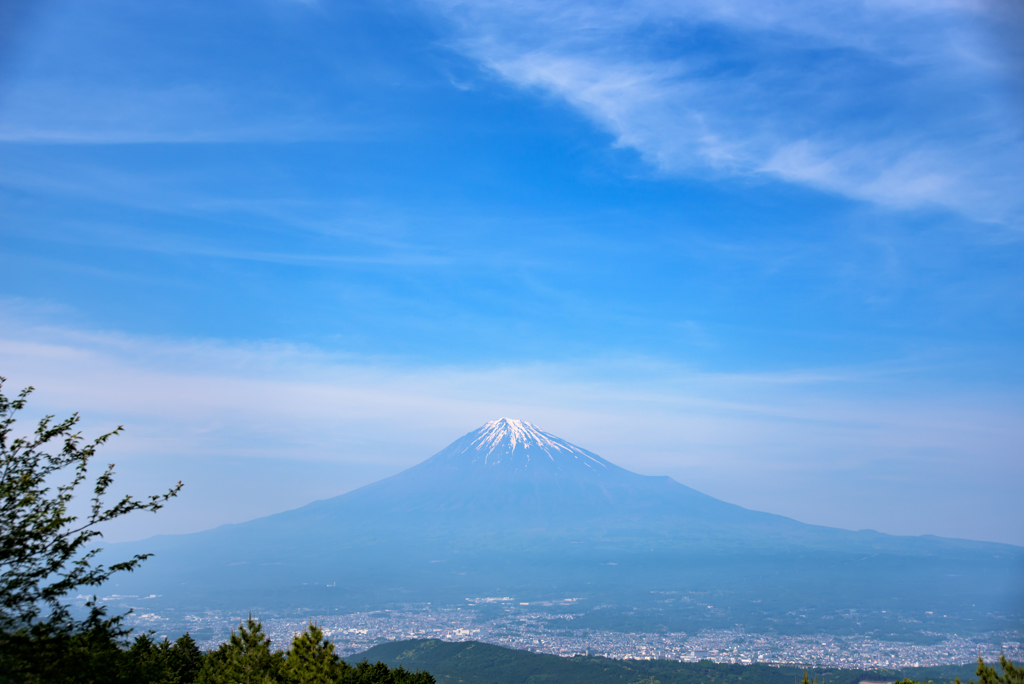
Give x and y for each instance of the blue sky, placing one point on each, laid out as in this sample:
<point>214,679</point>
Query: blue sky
<point>772,249</point>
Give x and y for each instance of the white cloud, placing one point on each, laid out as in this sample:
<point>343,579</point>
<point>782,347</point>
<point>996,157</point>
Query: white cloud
<point>894,102</point>
<point>889,101</point>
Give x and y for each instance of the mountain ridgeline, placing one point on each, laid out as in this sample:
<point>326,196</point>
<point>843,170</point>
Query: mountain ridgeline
<point>510,510</point>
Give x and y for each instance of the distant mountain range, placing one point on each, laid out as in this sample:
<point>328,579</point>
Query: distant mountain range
<point>509,510</point>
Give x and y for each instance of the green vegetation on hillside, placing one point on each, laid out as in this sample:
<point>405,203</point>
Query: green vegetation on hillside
<point>473,662</point>
<point>249,657</point>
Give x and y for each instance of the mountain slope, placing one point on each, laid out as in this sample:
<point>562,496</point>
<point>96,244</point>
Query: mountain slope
<point>509,471</point>
<point>509,509</point>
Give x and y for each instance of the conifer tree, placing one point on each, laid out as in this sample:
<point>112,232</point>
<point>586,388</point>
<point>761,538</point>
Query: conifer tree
<point>987,674</point>
<point>365,673</point>
<point>184,659</point>
<point>245,659</point>
<point>311,659</point>
<point>146,660</point>
<point>399,675</point>
<point>379,673</point>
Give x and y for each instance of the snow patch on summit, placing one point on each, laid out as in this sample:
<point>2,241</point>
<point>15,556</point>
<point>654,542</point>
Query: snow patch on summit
<point>514,438</point>
<point>513,432</point>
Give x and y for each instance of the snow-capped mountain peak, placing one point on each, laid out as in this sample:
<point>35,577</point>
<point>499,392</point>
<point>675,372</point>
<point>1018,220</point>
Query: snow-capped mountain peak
<point>518,445</point>
<point>511,432</point>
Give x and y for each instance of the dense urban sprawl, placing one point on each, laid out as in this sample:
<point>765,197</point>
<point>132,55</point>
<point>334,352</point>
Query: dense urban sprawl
<point>545,632</point>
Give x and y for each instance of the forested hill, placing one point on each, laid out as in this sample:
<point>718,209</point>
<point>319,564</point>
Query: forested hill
<point>472,662</point>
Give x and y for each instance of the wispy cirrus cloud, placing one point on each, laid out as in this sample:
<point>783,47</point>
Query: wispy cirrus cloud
<point>900,104</point>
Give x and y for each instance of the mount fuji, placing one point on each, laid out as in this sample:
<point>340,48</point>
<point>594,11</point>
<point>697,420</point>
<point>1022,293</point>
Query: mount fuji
<point>509,510</point>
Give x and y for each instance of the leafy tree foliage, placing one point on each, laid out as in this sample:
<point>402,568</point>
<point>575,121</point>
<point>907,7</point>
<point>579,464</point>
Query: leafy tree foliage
<point>43,547</point>
<point>54,653</point>
<point>45,553</point>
